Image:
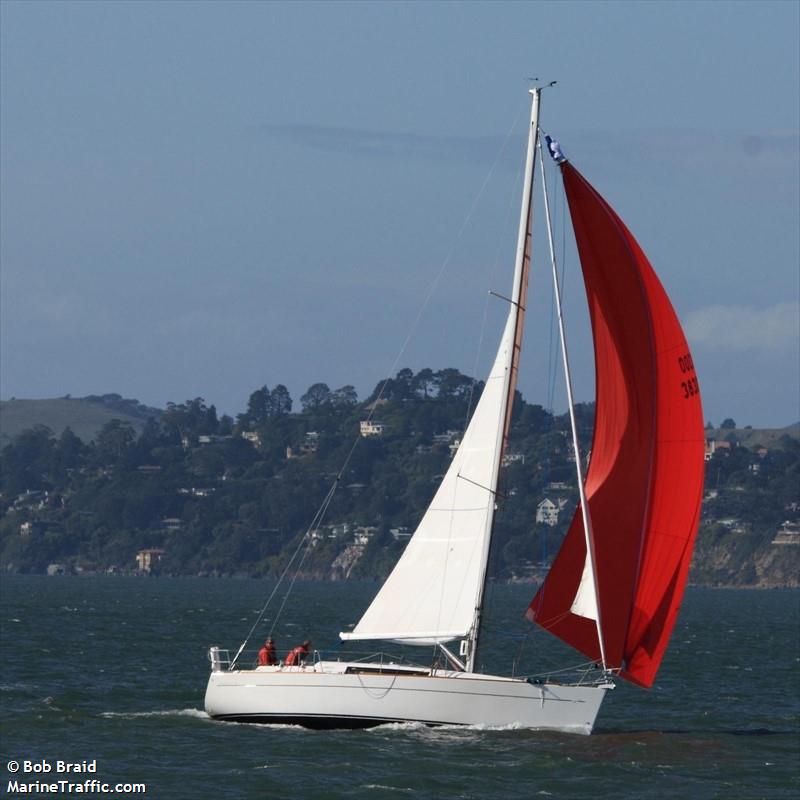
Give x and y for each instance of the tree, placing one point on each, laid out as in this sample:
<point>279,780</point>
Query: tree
<point>452,383</point>
<point>114,441</point>
<point>27,461</point>
<point>280,401</point>
<point>258,406</point>
<point>69,451</point>
<point>728,424</point>
<point>210,423</point>
<point>345,396</point>
<point>317,395</point>
<point>404,384</point>
<point>425,383</point>
<point>191,418</point>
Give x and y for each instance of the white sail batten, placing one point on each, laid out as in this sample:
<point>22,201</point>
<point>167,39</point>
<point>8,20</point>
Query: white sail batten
<point>430,595</point>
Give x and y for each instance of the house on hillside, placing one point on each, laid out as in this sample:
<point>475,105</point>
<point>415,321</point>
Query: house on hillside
<point>310,443</point>
<point>212,438</point>
<point>32,526</point>
<point>732,524</point>
<point>788,533</point>
<point>317,536</point>
<point>194,491</point>
<point>146,559</point>
<point>370,428</point>
<point>446,437</point>
<point>547,511</point>
<point>364,533</point>
<point>712,445</point>
<point>253,437</point>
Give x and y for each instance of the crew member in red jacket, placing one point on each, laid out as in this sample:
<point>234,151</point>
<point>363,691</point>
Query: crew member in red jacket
<point>266,655</point>
<point>297,655</point>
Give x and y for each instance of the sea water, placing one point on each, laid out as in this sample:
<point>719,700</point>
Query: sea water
<point>111,672</point>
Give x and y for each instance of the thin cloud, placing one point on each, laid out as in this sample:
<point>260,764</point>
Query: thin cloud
<point>685,146</point>
<point>382,144</point>
<point>689,149</point>
<point>745,328</point>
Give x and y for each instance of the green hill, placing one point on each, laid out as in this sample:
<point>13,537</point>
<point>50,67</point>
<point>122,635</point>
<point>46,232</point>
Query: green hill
<point>84,415</point>
<point>213,495</point>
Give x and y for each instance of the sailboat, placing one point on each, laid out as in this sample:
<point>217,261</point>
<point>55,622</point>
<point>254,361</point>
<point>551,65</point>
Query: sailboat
<point>614,589</point>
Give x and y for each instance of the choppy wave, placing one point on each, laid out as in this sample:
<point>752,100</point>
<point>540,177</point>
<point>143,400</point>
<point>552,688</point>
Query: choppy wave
<point>17,686</point>
<point>131,697</point>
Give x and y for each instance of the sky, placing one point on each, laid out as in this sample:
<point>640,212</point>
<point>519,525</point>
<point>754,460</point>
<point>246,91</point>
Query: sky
<point>198,199</point>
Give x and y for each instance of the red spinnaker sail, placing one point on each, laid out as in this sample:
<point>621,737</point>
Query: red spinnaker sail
<point>645,480</point>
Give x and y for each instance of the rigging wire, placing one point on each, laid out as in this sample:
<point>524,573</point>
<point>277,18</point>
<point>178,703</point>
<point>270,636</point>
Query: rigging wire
<point>553,349</point>
<point>550,383</point>
<point>305,539</point>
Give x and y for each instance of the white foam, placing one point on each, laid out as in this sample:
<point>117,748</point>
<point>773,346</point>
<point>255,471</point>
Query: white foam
<point>384,788</point>
<point>439,730</point>
<point>172,712</point>
<point>398,726</point>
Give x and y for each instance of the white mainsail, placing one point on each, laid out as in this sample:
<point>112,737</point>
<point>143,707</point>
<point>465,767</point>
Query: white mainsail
<point>432,592</point>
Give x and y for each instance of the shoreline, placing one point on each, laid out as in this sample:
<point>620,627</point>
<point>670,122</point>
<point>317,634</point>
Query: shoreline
<point>313,579</point>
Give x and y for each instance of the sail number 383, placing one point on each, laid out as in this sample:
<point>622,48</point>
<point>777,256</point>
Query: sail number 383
<point>690,386</point>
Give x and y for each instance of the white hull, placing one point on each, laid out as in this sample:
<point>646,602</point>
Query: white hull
<point>341,695</point>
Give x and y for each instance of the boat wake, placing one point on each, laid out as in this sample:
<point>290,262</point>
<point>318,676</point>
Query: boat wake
<point>171,712</point>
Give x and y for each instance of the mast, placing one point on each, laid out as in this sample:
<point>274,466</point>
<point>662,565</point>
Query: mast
<point>515,321</point>
<point>591,563</point>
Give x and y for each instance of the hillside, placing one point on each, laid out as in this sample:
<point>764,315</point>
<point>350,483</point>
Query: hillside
<point>753,438</point>
<point>84,415</point>
<point>188,493</point>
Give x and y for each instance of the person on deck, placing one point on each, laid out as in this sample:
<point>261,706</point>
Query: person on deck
<point>298,654</point>
<point>266,655</point>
